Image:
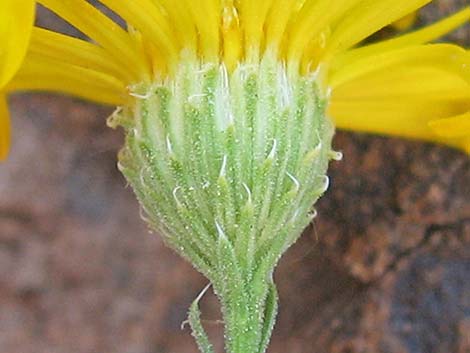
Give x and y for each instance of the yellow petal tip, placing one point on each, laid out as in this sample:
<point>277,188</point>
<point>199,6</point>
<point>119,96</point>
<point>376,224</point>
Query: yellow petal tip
<point>4,129</point>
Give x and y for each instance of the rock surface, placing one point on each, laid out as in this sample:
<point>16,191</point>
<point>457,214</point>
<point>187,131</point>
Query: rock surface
<point>385,267</point>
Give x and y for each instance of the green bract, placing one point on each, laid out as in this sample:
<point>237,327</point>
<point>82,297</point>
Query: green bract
<point>227,167</point>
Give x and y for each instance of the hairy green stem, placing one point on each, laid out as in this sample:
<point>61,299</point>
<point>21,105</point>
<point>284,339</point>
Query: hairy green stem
<point>249,318</point>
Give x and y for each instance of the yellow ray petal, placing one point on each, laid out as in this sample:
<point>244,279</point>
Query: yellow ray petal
<point>205,15</point>
<point>421,36</point>
<point>417,82</point>
<point>232,36</point>
<point>401,100</point>
<point>45,74</point>
<point>103,30</point>
<point>463,144</point>
<point>253,17</point>
<point>366,18</point>
<point>454,127</point>
<point>16,22</point>
<point>145,16</point>
<point>311,21</point>
<point>443,56</point>
<point>401,114</point>
<point>77,52</point>
<point>4,128</point>
<point>277,21</point>
<point>395,117</point>
<point>426,34</point>
<point>181,22</point>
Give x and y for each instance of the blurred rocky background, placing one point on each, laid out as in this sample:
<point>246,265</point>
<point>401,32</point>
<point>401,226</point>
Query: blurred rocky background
<point>385,268</point>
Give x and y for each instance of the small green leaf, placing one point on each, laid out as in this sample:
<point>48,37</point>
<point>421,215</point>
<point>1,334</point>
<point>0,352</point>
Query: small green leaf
<point>197,329</point>
<point>270,313</point>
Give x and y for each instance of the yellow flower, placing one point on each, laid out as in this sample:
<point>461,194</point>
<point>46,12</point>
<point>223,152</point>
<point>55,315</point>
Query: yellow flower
<point>228,108</point>
<point>401,86</point>
<point>16,21</point>
<point>406,88</point>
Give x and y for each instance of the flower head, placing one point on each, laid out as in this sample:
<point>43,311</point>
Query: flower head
<point>401,86</point>
<point>229,109</point>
